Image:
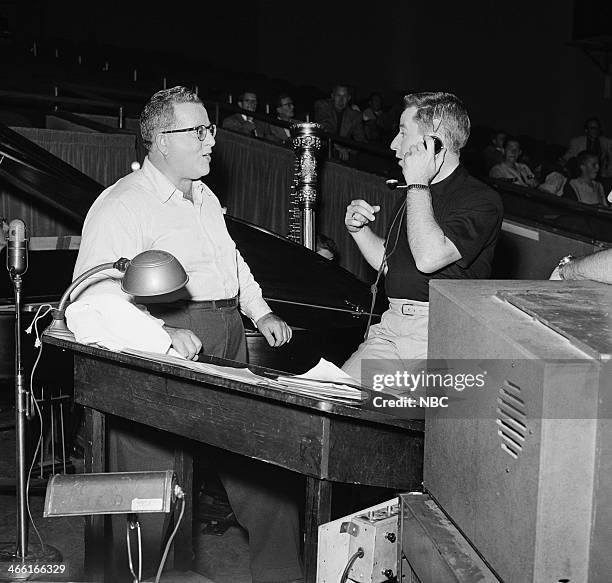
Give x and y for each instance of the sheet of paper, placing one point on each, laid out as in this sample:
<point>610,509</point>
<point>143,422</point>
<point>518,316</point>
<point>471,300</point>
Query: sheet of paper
<point>327,371</point>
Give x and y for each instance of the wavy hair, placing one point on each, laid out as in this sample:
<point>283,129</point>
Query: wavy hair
<point>443,114</point>
<point>158,113</point>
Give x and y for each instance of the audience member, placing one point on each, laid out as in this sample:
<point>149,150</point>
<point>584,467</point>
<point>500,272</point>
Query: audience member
<point>326,247</point>
<point>596,266</point>
<point>285,111</point>
<point>551,173</point>
<point>494,151</point>
<point>586,188</point>
<point>242,122</point>
<point>592,142</point>
<point>510,168</point>
<point>554,183</point>
<point>373,116</point>
<point>337,118</point>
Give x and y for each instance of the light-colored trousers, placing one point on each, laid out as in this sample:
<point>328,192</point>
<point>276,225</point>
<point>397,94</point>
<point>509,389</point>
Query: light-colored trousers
<point>395,343</point>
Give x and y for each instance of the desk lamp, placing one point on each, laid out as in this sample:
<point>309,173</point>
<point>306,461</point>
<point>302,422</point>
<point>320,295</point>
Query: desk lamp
<point>150,273</point>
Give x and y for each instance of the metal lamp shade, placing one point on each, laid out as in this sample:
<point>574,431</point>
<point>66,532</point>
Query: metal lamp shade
<point>153,273</point>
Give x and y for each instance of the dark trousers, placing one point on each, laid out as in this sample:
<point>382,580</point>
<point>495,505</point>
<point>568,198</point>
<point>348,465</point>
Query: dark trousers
<point>262,496</point>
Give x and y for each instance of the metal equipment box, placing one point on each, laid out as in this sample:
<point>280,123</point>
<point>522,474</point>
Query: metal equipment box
<point>374,532</point>
<point>523,466</point>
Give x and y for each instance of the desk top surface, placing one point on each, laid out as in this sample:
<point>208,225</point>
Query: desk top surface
<point>361,412</point>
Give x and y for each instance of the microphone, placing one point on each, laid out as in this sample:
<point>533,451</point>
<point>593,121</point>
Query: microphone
<point>17,248</point>
<point>393,184</point>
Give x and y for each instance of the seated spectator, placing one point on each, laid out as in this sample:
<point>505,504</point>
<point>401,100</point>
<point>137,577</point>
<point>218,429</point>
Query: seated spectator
<point>337,118</point>
<point>585,188</point>
<point>592,142</point>
<point>243,123</point>
<point>511,169</point>
<point>554,183</point>
<point>552,175</point>
<point>493,152</point>
<point>327,248</point>
<point>285,111</point>
<point>373,116</point>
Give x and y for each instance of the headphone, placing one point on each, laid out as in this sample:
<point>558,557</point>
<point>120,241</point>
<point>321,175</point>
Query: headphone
<point>438,145</point>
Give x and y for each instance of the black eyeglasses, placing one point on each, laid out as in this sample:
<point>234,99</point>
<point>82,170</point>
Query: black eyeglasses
<point>201,131</point>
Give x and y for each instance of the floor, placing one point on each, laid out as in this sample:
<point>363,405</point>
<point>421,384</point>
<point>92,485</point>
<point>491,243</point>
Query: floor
<point>218,558</point>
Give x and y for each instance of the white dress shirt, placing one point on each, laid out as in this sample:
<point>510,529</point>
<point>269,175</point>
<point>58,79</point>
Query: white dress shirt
<point>143,211</point>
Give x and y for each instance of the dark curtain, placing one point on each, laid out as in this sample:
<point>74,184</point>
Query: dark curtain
<point>103,157</point>
<point>253,178</point>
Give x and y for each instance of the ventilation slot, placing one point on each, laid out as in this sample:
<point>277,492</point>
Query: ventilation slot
<point>511,419</point>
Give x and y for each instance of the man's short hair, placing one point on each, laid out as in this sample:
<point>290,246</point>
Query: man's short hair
<point>252,91</point>
<point>158,113</point>
<point>584,156</point>
<point>510,138</point>
<point>278,101</point>
<point>443,114</point>
<point>591,120</point>
<point>348,88</point>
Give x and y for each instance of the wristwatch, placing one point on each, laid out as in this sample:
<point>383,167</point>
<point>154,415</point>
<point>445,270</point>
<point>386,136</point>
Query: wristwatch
<point>562,262</point>
<point>417,187</point>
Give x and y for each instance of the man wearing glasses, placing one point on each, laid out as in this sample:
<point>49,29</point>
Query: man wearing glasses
<point>165,205</point>
<point>285,111</point>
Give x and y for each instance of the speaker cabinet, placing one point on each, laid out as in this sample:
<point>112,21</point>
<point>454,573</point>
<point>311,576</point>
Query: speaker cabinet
<point>523,466</point>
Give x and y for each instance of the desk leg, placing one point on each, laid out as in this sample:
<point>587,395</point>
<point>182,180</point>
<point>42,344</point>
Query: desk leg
<point>318,511</point>
<point>95,456</point>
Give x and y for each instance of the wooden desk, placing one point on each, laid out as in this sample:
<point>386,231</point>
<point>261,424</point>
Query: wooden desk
<point>324,441</point>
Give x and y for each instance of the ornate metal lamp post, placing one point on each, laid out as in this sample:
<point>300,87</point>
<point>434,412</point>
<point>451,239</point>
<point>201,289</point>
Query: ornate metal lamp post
<point>307,144</point>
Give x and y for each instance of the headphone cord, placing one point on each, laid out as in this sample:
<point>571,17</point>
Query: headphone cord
<point>384,262</point>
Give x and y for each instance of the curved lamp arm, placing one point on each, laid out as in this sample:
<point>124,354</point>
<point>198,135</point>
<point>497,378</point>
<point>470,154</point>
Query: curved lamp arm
<point>58,314</point>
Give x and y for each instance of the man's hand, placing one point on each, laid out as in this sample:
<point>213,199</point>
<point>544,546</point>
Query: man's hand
<point>185,342</point>
<point>358,214</point>
<point>275,329</point>
<point>420,164</point>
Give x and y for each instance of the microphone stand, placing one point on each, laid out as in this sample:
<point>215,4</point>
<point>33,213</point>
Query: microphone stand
<point>21,410</point>
<point>46,553</point>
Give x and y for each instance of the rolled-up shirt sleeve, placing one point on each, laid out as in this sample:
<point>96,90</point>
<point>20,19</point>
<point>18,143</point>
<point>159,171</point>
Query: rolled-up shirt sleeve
<point>252,303</point>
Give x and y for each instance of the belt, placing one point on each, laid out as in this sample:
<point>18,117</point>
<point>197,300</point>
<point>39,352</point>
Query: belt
<point>411,309</point>
<point>215,304</point>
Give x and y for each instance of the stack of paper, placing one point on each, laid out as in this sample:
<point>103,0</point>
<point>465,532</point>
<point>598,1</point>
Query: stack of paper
<point>324,381</point>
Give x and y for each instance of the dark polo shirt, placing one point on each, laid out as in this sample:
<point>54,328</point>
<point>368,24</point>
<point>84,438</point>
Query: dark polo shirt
<point>470,214</point>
